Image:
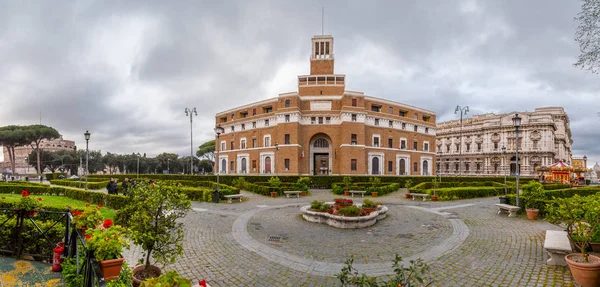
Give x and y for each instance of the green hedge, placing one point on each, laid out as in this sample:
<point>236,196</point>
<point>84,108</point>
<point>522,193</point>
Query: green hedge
<point>260,189</point>
<point>91,184</point>
<point>33,241</point>
<point>553,186</point>
<point>383,190</point>
<point>54,175</point>
<point>319,181</point>
<point>429,185</point>
<point>455,193</point>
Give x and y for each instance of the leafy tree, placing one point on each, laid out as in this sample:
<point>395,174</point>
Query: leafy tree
<point>207,151</point>
<point>588,36</point>
<point>35,134</point>
<point>185,164</point>
<point>168,161</point>
<point>113,161</point>
<point>11,137</point>
<point>154,223</point>
<point>95,160</point>
<point>47,159</point>
<point>206,166</point>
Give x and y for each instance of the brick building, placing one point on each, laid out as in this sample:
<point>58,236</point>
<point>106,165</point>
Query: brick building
<point>325,129</point>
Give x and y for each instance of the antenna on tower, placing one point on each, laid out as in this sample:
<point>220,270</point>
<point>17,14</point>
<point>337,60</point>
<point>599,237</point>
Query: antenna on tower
<point>322,20</point>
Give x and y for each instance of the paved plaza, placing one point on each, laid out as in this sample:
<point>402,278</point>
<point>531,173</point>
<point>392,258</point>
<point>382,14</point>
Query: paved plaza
<point>265,242</point>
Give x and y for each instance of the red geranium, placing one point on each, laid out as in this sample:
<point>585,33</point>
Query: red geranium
<point>76,213</point>
<point>107,223</point>
<point>88,236</point>
<point>100,205</point>
<point>39,198</point>
<point>24,193</point>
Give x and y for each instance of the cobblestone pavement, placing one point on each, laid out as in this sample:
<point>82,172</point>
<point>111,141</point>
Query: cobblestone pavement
<point>465,242</point>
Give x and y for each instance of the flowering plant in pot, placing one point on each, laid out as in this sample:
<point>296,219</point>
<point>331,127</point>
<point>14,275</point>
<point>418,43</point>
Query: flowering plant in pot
<point>108,241</point>
<point>154,226</point>
<point>581,217</point>
<point>170,278</point>
<point>533,194</point>
<point>89,218</point>
<point>347,183</point>
<point>28,203</point>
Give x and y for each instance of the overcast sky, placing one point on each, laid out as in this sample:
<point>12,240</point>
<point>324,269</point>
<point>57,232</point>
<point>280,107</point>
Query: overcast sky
<point>126,70</point>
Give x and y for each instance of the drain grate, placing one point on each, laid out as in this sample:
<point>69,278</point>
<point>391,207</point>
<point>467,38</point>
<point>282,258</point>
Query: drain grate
<point>274,238</point>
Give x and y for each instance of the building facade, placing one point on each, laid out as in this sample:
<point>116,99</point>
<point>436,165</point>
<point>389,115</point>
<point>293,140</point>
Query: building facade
<point>21,153</point>
<point>324,129</point>
<point>544,138</point>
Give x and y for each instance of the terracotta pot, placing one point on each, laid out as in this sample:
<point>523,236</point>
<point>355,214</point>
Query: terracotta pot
<point>137,282</point>
<point>532,213</point>
<point>407,195</point>
<point>111,268</point>
<point>374,194</point>
<point>434,198</point>
<point>303,193</point>
<point>595,246</point>
<point>585,274</point>
<point>346,192</point>
<point>273,194</point>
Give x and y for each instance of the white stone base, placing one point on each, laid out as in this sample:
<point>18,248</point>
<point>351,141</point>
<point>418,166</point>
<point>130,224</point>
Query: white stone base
<point>343,221</point>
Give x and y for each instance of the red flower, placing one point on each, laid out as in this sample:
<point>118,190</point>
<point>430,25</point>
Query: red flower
<point>202,283</point>
<point>39,198</point>
<point>87,236</point>
<point>107,223</point>
<point>24,193</point>
<point>100,205</point>
<point>76,213</point>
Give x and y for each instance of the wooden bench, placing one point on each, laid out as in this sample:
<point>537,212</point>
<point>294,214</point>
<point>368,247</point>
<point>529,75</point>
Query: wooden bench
<point>512,210</point>
<point>361,192</point>
<point>423,195</point>
<point>232,196</point>
<point>292,192</point>
<point>557,245</point>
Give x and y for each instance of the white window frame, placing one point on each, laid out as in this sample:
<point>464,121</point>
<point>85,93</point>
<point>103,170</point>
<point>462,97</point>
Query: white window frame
<point>263,155</point>
<point>406,158</point>
<point>223,145</point>
<point>405,144</point>
<point>429,165</point>
<point>226,158</point>
<point>373,140</point>
<point>265,137</point>
<point>428,145</point>
<point>381,157</point>
<point>239,163</point>
<point>243,143</point>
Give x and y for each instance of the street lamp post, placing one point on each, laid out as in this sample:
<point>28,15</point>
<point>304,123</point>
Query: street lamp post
<point>517,122</point>
<point>504,155</point>
<point>87,157</point>
<point>276,153</point>
<point>585,169</point>
<point>463,111</point>
<point>439,164</point>
<point>191,112</point>
<point>218,130</point>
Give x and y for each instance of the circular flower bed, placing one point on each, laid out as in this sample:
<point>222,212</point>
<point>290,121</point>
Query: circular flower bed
<point>343,213</point>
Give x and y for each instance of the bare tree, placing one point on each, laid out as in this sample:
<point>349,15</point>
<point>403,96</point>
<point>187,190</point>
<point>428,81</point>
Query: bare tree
<point>588,36</point>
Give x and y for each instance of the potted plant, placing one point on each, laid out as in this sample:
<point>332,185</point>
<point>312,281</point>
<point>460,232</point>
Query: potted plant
<point>155,227</point>
<point>369,206</point>
<point>28,204</point>
<point>171,279</point>
<point>302,184</point>
<point>581,216</point>
<point>89,218</point>
<point>408,184</point>
<point>347,183</point>
<point>434,197</point>
<point>275,185</point>
<point>533,193</point>
<point>107,242</point>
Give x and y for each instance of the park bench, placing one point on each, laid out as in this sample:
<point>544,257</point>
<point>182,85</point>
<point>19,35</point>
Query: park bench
<point>361,192</point>
<point>557,245</point>
<point>512,210</point>
<point>423,195</point>
<point>232,196</point>
<point>292,192</point>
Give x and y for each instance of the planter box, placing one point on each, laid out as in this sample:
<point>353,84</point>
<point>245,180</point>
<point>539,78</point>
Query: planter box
<point>343,221</point>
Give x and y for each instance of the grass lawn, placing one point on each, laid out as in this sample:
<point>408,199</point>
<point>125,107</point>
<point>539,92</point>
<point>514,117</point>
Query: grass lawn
<point>60,202</point>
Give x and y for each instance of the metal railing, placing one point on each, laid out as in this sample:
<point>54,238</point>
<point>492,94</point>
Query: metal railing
<point>92,276</point>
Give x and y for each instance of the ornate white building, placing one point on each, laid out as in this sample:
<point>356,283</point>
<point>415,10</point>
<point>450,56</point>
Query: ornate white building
<point>544,138</point>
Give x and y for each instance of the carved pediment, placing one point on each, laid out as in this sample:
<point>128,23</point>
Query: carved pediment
<point>495,137</point>
<point>535,135</point>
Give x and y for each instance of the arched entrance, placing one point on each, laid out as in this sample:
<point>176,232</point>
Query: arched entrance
<point>268,164</point>
<point>425,170</point>
<point>320,154</point>
<point>375,165</point>
<point>244,165</point>
<point>223,166</point>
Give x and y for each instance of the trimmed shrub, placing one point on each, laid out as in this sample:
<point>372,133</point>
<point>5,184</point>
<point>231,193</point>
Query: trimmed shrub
<point>91,184</point>
<point>454,193</point>
<point>383,190</point>
<point>349,211</point>
<point>54,175</point>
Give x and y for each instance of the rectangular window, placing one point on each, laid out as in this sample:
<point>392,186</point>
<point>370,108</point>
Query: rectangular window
<point>327,120</point>
<point>354,102</point>
<point>495,146</point>
<point>353,165</point>
<point>267,141</point>
<point>376,141</point>
<point>415,167</point>
<point>232,128</point>
<point>416,116</point>
<point>313,120</point>
<point>535,145</point>
<point>287,118</point>
<point>426,130</point>
<point>231,145</point>
<point>287,103</point>
<point>244,114</point>
<point>478,147</point>
<point>268,109</point>
<point>375,108</point>
<point>266,123</point>
<point>232,117</point>
<point>224,119</point>
<point>286,164</point>
<point>353,139</point>
<point>376,122</point>
<point>253,143</point>
<point>254,112</point>
<point>426,118</point>
<point>415,145</point>
<point>286,139</point>
<point>426,146</point>
<point>390,166</point>
<point>391,110</point>
<point>253,125</point>
<point>391,124</point>
<point>243,127</point>
<point>416,128</point>
<point>320,120</point>
<point>254,165</point>
<point>231,165</point>
<point>402,144</point>
<point>353,117</point>
<point>403,126</point>
<point>402,113</point>
<point>390,143</point>
<point>243,144</point>
<point>222,146</point>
